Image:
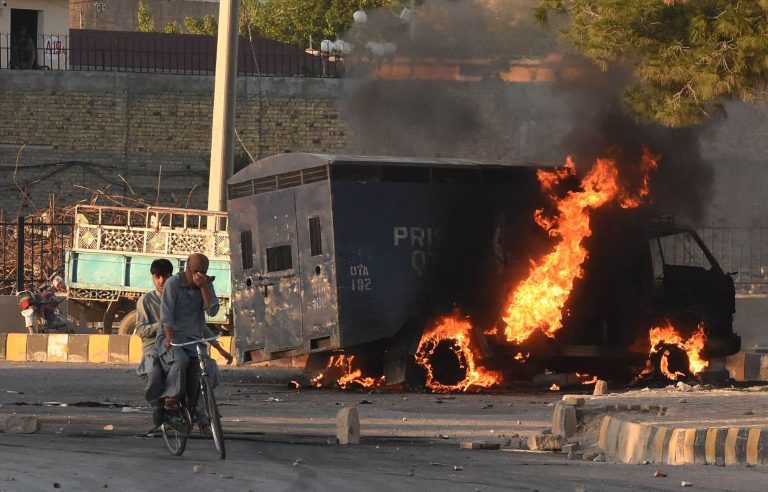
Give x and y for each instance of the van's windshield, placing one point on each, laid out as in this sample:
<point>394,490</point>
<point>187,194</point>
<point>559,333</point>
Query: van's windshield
<point>680,249</point>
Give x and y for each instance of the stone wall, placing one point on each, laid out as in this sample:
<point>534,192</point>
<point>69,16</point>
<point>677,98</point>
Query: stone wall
<point>74,133</point>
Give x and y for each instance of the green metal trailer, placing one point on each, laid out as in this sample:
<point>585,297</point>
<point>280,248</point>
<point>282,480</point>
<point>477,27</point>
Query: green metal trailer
<point>107,266</point>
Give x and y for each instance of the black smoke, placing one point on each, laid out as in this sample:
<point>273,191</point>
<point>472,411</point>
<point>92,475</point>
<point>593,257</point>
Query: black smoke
<point>477,115</point>
<point>682,184</point>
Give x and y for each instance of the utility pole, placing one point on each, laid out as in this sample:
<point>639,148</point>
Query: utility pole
<point>223,128</point>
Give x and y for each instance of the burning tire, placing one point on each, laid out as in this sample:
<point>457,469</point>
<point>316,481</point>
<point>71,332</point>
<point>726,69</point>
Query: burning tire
<point>677,347</point>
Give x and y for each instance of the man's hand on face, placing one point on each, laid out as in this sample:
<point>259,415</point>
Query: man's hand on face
<point>167,343</point>
<point>200,279</point>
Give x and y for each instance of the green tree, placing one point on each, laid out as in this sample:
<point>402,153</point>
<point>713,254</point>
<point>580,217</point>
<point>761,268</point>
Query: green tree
<point>145,22</point>
<point>172,27</point>
<point>687,55</point>
<point>207,25</point>
<point>296,21</point>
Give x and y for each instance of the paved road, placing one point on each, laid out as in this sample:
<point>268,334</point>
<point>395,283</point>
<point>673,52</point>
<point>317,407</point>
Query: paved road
<point>279,439</point>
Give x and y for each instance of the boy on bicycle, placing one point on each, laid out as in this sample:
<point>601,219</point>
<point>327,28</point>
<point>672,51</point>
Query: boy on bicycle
<point>187,298</point>
<point>147,328</point>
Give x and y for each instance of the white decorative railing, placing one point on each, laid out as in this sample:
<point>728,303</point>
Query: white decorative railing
<point>154,231</point>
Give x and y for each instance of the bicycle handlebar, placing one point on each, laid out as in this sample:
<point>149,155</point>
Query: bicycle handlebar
<point>194,342</point>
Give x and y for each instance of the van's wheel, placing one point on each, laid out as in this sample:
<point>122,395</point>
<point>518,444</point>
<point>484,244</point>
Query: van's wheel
<point>128,324</point>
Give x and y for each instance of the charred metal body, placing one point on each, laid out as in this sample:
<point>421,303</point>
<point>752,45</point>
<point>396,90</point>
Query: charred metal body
<point>334,252</point>
<point>642,271</point>
<point>360,253</point>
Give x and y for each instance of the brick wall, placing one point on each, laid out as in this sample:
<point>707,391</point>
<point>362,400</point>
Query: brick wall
<point>76,132</point>
<point>117,130</point>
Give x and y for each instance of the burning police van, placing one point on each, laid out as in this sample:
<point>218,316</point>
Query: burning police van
<point>399,266</point>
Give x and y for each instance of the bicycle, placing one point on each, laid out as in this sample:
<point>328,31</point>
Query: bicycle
<point>177,424</point>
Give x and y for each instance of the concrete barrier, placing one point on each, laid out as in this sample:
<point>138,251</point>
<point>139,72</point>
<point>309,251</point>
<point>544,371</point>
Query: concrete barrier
<point>97,349</point>
<point>633,443</point>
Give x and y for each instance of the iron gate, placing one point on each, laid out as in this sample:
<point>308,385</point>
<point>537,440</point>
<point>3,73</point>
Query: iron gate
<point>31,252</point>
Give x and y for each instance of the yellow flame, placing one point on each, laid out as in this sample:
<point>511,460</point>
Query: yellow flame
<point>693,347</point>
<point>537,302</point>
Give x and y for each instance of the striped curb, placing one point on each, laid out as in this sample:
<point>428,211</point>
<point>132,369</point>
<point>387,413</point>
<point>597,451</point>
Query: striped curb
<point>633,443</point>
<point>98,349</point>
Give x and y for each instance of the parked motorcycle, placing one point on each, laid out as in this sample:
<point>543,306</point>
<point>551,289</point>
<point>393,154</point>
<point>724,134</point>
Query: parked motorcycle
<point>41,309</point>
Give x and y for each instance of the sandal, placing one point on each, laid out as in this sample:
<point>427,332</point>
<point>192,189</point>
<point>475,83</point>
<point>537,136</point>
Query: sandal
<point>172,404</point>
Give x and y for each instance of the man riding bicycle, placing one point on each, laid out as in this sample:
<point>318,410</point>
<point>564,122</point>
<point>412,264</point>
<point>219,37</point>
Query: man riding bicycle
<point>187,297</point>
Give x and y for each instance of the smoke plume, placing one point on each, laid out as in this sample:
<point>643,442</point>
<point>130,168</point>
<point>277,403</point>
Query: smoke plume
<point>442,95</point>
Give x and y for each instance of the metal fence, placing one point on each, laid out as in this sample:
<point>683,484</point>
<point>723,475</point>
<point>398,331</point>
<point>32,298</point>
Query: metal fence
<point>31,251</point>
<point>177,54</point>
<point>740,251</point>
<point>743,251</point>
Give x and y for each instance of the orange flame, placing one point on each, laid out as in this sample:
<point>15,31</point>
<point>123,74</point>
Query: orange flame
<point>669,335</point>
<point>343,364</point>
<point>522,358</point>
<point>554,387</point>
<point>459,331</point>
<point>537,302</point>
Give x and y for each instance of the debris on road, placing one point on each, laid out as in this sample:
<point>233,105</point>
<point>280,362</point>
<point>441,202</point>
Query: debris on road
<point>19,424</point>
<point>479,445</point>
<point>109,427</point>
<point>590,454</point>
<point>457,468</point>
<point>546,442</point>
<point>660,474</point>
<point>197,469</point>
<point>686,484</point>
<point>297,462</point>
<point>683,387</point>
<point>54,404</point>
<point>570,448</point>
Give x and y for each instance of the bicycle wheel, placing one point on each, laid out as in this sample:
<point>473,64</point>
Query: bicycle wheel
<point>212,410</point>
<point>176,428</point>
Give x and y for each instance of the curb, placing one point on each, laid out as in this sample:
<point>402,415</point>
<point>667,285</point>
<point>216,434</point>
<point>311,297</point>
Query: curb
<point>633,443</point>
<point>97,349</point>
